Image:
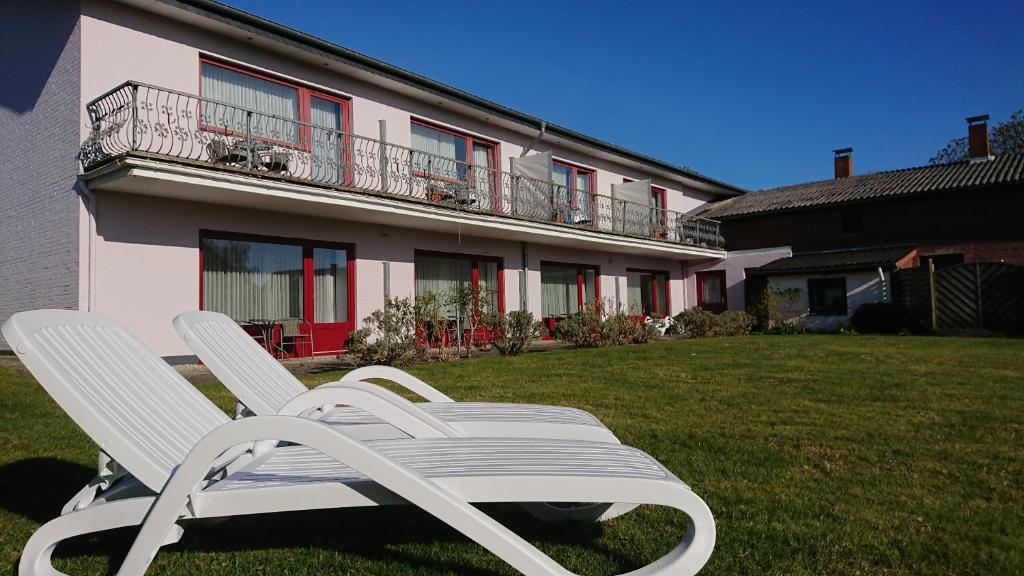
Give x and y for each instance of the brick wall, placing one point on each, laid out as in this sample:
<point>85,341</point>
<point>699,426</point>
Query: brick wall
<point>40,100</point>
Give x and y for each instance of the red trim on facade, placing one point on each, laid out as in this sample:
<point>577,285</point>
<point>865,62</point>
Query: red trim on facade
<point>493,156</point>
<point>581,269</point>
<point>474,260</point>
<point>305,93</point>
<point>308,304</point>
<point>721,307</point>
<point>655,288</point>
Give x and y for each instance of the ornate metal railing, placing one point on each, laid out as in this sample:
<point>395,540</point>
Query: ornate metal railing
<point>136,118</point>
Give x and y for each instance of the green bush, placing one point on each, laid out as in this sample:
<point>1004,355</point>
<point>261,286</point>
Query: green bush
<point>878,318</point>
<point>782,329</point>
<point>515,332</point>
<point>696,322</point>
<point>768,311</point>
<point>733,323</point>
<point>388,335</point>
<point>584,329</point>
<point>621,328</point>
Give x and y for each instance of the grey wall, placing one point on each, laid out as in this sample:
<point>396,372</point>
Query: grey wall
<point>40,91</point>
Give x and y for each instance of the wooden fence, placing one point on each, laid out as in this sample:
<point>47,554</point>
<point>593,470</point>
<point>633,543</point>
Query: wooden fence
<point>965,297</point>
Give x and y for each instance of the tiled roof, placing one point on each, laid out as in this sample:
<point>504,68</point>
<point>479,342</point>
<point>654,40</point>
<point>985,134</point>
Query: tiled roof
<point>1004,169</point>
<point>835,260</point>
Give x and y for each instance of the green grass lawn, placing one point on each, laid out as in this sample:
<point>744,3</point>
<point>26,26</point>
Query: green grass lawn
<point>817,455</point>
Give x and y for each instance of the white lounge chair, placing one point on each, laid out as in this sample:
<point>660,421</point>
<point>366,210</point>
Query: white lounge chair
<point>170,456</point>
<point>265,387</point>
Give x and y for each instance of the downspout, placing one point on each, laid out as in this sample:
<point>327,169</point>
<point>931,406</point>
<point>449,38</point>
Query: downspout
<point>90,282</point>
<point>543,130</point>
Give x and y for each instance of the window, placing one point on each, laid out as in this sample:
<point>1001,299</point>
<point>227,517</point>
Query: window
<point>827,296</point>
<point>284,109</point>
<point>852,223</point>
<point>573,193</point>
<point>658,201</point>
<point>647,292</point>
<point>711,290</point>
<point>437,273</point>
<point>455,157</point>
<point>566,288</point>
<point>252,278</point>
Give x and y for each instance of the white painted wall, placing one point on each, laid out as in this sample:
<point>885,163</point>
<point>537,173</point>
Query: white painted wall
<point>735,265</point>
<point>862,287</point>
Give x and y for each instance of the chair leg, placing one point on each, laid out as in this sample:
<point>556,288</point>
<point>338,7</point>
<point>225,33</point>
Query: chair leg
<point>36,557</point>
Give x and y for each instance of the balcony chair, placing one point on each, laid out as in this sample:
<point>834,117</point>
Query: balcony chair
<point>170,456</point>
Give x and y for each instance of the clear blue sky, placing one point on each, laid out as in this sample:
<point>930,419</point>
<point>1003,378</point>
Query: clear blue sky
<point>755,94</point>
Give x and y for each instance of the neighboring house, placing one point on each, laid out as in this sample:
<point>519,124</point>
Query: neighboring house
<point>848,233</point>
<point>228,163</point>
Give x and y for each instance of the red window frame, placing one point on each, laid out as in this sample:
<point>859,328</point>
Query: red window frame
<point>550,321</point>
<point>305,93</point>
<point>654,290</point>
<point>659,193</point>
<point>574,172</point>
<point>724,304</point>
<point>308,304</point>
<point>494,156</point>
<point>474,262</point>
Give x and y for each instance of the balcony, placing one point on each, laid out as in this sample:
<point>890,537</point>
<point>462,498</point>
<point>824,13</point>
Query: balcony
<point>141,121</point>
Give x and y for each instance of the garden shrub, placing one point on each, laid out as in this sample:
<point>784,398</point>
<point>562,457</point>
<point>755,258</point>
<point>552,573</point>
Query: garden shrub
<point>733,323</point>
<point>696,322</point>
<point>584,329</point>
<point>782,329</point>
<point>621,328</point>
<point>878,318</point>
<point>388,335</point>
<point>769,309</point>
<point>515,332</point>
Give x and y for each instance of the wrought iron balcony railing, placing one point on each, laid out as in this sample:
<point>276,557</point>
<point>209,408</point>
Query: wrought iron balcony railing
<point>139,119</point>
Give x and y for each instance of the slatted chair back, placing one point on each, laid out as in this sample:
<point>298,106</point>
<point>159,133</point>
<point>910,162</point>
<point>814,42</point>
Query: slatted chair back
<point>257,379</point>
<point>139,410</point>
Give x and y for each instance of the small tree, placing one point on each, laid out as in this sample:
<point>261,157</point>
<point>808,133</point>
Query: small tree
<point>432,323</point>
<point>474,305</point>
<point>388,335</point>
<point>515,332</point>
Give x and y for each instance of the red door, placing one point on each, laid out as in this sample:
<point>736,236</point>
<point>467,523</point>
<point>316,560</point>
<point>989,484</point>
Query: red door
<point>329,275</point>
<point>711,290</point>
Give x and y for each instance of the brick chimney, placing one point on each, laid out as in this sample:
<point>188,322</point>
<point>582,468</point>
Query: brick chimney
<point>977,138</point>
<point>844,162</point>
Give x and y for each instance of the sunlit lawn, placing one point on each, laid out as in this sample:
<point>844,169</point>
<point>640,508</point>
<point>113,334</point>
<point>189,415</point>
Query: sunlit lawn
<point>817,454</point>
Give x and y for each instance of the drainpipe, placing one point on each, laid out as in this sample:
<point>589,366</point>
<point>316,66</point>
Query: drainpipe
<point>543,130</point>
<point>90,284</point>
<point>524,283</point>
<point>881,280</point>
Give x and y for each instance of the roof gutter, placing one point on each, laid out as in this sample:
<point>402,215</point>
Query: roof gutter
<point>257,23</point>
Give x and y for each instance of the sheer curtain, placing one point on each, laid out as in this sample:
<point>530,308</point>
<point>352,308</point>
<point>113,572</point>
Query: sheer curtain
<point>560,176</point>
<point>711,291</point>
<point>582,197</point>
<point>634,293</point>
<point>559,290</point>
<point>251,93</point>
<point>252,280</point>
<point>488,278</point>
<point>438,143</point>
<point>327,143</point>
<point>437,274</point>
<point>483,177</point>
<point>330,285</point>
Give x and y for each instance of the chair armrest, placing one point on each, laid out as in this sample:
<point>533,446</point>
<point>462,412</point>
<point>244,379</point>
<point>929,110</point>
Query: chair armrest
<point>382,403</point>
<point>400,377</point>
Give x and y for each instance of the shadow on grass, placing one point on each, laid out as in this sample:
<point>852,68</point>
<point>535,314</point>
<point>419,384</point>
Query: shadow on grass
<point>37,488</point>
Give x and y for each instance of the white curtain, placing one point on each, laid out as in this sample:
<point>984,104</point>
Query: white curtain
<point>489,280</point>
<point>559,290</point>
<point>330,285</point>
<point>451,149</point>
<point>252,280</point>
<point>483,176</point>
<point>251,93</point>
<point>327,144</point>
<point>711,290</point>
<point>634,293</point>
<point>437,274</point>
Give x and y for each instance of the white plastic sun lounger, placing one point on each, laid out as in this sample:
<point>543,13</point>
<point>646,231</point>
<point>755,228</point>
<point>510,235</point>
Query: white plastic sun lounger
<point>265,387</point>
<point>170,456</point>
